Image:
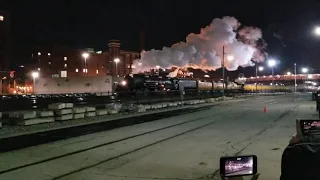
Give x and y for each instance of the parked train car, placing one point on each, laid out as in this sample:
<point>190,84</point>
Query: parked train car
<point>253,87</point>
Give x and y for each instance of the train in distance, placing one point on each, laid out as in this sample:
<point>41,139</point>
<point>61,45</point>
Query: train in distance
<point>142,82</point>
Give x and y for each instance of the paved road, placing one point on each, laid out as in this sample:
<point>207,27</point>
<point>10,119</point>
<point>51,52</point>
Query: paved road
<point>183,147</point>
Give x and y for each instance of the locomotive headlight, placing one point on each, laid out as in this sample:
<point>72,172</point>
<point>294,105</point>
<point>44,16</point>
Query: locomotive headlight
<point>123,83</point>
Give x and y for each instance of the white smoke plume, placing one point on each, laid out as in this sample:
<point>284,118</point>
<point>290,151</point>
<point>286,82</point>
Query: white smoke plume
<point>204,50</point>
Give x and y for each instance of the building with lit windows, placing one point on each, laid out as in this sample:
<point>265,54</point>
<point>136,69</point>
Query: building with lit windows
<point>67,62</point>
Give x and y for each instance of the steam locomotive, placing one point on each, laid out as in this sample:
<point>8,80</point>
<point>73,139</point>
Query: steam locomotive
<point>140,82</point>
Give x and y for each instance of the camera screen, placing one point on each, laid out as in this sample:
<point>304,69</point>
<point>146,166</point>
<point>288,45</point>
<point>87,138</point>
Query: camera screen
<point>238,166</point>
<point>310,127</point>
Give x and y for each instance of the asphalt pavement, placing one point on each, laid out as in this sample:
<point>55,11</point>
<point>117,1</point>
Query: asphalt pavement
<point>187,146</point>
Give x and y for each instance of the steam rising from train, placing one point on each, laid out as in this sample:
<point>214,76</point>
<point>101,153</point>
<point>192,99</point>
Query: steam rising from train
<point>204,50</point>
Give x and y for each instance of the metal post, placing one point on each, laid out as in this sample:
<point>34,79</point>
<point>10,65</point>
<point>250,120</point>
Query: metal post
<point>223,87</point>
<point>295,77</point>
<point>34,85</point>
<point>272,76</point>
<point>256,78</point>
<point>85,66</point>
<point>116,68</point>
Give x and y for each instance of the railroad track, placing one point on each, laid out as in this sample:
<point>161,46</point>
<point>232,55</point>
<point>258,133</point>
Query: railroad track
<point>104,145</point>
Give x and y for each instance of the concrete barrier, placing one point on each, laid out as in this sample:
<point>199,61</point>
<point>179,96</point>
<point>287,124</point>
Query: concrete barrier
<point>23,115</point>
<point>141,109</point>
<point>64,117</point>
<point>63,112</point>
<point>56,106</point>
<point>90,109</point>
<point>101,112</point>
<point>69,105</point>
<point>77,110</point>
<point>78,116</point>
<point>147,107</point>
<point>42,114</point>
<point>27,122</point>
<point>90,114</point>
<point>112,111</point>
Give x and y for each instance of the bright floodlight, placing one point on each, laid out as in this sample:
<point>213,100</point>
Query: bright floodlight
<point>35,74</point>
<point>271,63</point>
<point>116,60</point>
<point>206,76</point>
<point>85,55</point>
<point>261,68</point>
<point>314,83</point>
<point>317,31</point>
<point>304,70</point>
<point>230,57</point>
<point>157,67</point>
<point>39,53</point>
<point>1,18</point>
<point>288,73</point>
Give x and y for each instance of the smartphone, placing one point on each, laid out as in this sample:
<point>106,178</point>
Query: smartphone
<point>310,127</point>
<point>238,166</point>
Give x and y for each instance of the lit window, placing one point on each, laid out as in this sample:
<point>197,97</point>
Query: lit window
<point>49,54</point>
<point>65,58</point>
<point>38,69</point>
<point>77,70</point>
<point>84,70</point>
<point>39,53</point>
<point>1,18</point>
<point>65,65</point>
<point>128,66</point>
<point>97,71</point>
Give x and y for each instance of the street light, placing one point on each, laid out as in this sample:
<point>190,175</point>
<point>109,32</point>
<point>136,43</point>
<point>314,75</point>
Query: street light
<point>272,63</point>
<point>85,56</point>
<point>288,73</point>
<point>229,58</point>
<point>304,70</point>
<point>261,68</point>
<point>317,31</point>
<point>116,60</point>
<point>34,75</point>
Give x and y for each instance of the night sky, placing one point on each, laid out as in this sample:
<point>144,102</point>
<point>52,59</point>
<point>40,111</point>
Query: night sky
<point>287,26</point>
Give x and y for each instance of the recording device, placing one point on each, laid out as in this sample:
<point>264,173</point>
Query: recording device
<point>309,127</point>
<point>238,166</point>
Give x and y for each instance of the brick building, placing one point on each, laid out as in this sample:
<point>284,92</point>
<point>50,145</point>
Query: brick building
<point>66,62</point>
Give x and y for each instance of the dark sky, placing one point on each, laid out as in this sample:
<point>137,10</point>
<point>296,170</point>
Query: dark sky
<point>83,23</point>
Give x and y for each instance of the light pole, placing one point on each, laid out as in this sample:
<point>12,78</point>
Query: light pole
<point>229,58</point>
<point>34,76</point>
<point>305,71</point>
<point>295,77</point>
<point>85,56</point>
<point>272,63</point>
<point>260,68</point>
<point>116,60</point>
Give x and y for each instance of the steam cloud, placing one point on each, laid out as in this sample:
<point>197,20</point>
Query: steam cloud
<point>204,50</point>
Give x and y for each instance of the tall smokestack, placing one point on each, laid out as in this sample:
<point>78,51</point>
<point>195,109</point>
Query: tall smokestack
<point>142,40</point>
